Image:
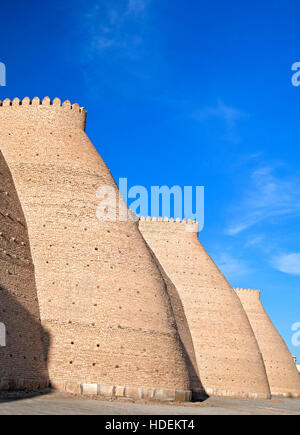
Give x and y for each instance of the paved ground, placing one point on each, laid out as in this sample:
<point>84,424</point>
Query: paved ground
<point>57,403</point>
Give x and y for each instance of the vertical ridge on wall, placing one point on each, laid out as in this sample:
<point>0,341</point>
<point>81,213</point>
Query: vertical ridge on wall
<point>185,335</point>
<point>23,360</point>
<point>281,369</point>
<point>228,359</point>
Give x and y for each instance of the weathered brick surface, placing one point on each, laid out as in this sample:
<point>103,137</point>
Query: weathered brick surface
<point>119,391</point>
<point>23,361</point>
<point>224,351</point>
<point>282,373</point>
<point>101,296</point>
<point>134,392</point>
<point>73,388</point>
<point>90,390</point>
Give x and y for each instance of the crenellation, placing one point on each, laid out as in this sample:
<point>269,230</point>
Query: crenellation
<point>36,113</point>
<point>26,101</point>
<point>67,104</point>
<point>57,102</point>
<point>16,102</point>
<point>76,107</point>
<point>166,219</point>
<point>6,102</point>
<point>247,292</point>
<point>46,101</point>
<point>37,102</point>
<point>158,224</point>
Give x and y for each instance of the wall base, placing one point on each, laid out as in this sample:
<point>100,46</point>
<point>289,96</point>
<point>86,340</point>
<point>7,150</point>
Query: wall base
<point>127,392</point>
<point>8,384</point>
<point>290,395</point>
<point>238,394</point>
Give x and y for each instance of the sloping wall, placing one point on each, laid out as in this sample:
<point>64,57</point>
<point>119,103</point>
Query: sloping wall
<point>228,358</point>
<point>23,360</point>
<point>101,296</point>
<point>282,372</point>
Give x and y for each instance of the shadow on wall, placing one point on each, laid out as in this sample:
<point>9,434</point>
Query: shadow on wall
<point>23,359</point>
<point>198,391</point>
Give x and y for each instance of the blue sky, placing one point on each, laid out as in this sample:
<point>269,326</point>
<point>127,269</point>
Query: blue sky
<point>185,93</point>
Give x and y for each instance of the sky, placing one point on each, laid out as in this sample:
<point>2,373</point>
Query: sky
<point>193,93</point>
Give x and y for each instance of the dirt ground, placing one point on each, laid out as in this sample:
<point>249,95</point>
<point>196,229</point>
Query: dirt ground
<point>54,403</point>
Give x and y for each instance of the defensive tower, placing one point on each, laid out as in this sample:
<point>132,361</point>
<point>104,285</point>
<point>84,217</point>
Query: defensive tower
<point>281,369</point>
<point>101,296</point>
<point>23,348</point>
<point>228,359</point>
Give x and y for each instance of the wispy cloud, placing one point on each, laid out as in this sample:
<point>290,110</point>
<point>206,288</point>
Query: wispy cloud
<point>114,27</point>
<point>230,266</point>
<point>287,263</point>
<point>118,49</point>
<point>254,241</point>
<point>228,115</point>
<point>247,159</point>
<point>267,196</point>
<point>136,6</point>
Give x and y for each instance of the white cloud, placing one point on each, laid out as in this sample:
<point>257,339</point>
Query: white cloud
<point>108,25</point>
<point>229,115</point>
<point>267,197</point>
<point>254,241</point>
<point>231,267</point>
<point>136,6</point>
<point>287,263</point>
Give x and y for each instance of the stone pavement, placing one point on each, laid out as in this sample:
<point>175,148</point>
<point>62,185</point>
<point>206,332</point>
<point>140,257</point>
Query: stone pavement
<point>54,403</point>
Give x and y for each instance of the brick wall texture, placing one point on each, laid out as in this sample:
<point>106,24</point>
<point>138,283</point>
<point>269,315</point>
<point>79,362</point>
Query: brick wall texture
<point>281,369</point>
<point>105,307</point>
<point>228,359</point>
<point>102,299</point>
<point>23,361</point>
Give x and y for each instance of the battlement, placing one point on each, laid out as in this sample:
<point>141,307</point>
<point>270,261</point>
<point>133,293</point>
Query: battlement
<point>42,111</point>
<point>37,102</point>
<point>244,292</point>
<point>168,224</point>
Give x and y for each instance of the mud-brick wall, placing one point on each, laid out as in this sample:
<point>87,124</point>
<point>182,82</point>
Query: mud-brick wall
<point>228,359</point>
<point>23,361</point>
<point>281,369</point>
<point>101,296</point>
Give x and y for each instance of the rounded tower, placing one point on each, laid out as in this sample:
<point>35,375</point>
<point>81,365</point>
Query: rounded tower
<point>281,369</point>
<point>23,344</point>
<point>102,298</point>
<point>228,359</point>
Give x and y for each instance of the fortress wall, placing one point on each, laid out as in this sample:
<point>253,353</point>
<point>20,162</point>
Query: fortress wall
<point>185,335</point>
<point>101,295</point>
<point>23,361</point>
<point>228,358</point>
<point>282,373</point>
